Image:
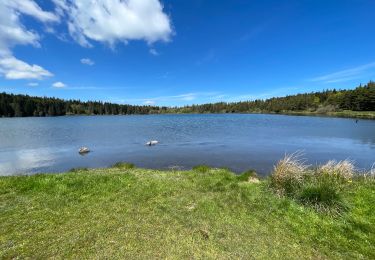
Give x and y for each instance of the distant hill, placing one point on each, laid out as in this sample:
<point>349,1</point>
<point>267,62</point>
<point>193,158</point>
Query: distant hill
<point>361,98</point>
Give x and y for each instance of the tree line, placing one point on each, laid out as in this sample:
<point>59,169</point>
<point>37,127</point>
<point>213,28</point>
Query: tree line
<point>23,105</point>
<point>361,98</point>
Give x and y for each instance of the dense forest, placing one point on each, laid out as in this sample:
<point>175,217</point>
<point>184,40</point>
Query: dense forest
<point>23,105</point>
<point>361,98</point>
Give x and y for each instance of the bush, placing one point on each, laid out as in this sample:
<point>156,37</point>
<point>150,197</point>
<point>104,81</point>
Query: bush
<point>123,165</point>
<point>201,168</point>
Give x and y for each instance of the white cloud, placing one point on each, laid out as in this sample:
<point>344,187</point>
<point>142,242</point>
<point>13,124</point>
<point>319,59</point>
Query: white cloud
<point>13,32</point>
<point>154,52</point>
<point>87,61</point>
<point>149,102</point>
<point>58,84</point>
<point>346,75</point>
<point>13,68</point>
<point>182,98</point>
<point>105,21</point>
<point>115,21</point>
<point>33,84</point>
<point>29,7</point>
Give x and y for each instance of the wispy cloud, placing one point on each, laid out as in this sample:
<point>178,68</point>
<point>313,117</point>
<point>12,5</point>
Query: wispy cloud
<point>154,52</point>
<point>347,74</point>
<point>87,61</point>
<point>263,95</point>
<point>33,84</point>
<point>206,97</point>
<point>181,98</point>
<point>149,102</point>
<point>253,32</point>
<point>208,57</point>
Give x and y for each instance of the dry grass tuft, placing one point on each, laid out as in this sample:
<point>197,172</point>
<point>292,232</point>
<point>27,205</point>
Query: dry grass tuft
<point>288,173</point>
<point>344,169</point>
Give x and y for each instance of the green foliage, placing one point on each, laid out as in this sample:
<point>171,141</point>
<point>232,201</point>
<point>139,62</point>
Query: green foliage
<point>24,105</point>
<point>246,175</point>
<point>360,99</point>
<point>123,165</point>
<point>326,102</point>
<point>202,168</point>
<point>324,196</point>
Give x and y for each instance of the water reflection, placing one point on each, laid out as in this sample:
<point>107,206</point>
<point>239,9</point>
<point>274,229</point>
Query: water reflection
<point>26,161</point>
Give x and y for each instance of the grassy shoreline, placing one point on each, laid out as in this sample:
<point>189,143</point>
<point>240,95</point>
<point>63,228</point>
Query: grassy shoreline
<point>124,212</point>
<point>341,114</point>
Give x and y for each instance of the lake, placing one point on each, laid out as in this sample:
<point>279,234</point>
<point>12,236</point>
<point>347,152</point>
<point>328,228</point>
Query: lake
<point>236,141</point>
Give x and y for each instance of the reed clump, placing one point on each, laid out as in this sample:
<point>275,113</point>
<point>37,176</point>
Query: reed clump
<point>320,187</point>
<point>342,169</point>
<point>289,174</point>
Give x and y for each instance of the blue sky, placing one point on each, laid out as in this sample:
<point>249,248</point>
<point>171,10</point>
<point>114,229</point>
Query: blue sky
<point>184,52</point>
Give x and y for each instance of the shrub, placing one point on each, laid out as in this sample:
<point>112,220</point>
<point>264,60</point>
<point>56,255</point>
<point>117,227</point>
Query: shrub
<point>201,168</point>
<point>123,165</point>
<point>288,174</point>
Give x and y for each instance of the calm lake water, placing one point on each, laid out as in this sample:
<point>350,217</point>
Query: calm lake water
<point>236,141</point>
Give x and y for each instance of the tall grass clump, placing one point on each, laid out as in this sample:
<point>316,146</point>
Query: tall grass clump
<point>123,165</point>
<point>323,190</point>
<point>288,174</point>
<point>342,170</point>
<point>319,188</point>
<point>202,168</point>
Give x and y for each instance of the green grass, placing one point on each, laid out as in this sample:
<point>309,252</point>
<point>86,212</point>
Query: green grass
<point>201,168</point>
<point>123,165</point>
<point>142,214</point>
<point>345,114</point>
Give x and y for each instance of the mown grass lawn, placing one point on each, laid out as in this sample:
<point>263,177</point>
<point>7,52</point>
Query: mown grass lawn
<point>142,214</point>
